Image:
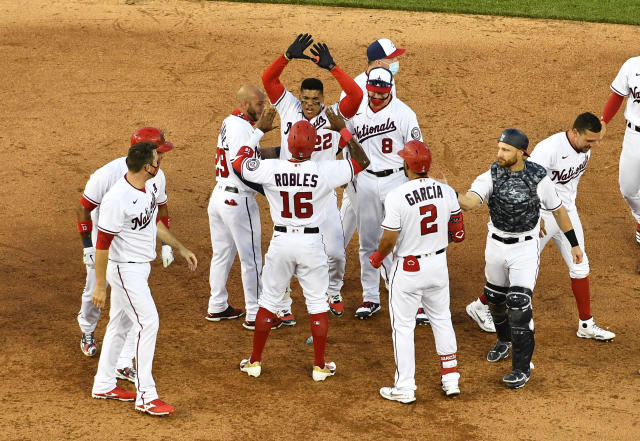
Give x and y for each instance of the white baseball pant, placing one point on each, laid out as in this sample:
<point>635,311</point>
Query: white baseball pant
<point>234,223</point>
<point>408,291</point>
<point>514,264</point>
<point>131,302</point>
<point>371,194</point>
<point>629,171</point>
<point>348,213</point>
<point>301,254</point>
<point>576,271</point>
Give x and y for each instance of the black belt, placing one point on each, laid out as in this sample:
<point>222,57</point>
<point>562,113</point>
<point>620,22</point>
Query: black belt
<point>307,230</point>
<point>430,254</point>
<point>383,173</point>
<point>231,189</point>
<point>509,240</point>
<point>632,127</point>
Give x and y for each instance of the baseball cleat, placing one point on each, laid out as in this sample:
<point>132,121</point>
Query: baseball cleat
<point>451,389</point>
<point>251,325</point>
<point>393,394</point>
<point>252,369</point>
<point>228,314</point>
<point>321,374</point>
<point>367,309</point>
<point>116,394</point>
<point>336,305</point>
<point>88,344</point>
<point>286,317</point>
<point>128,373</point>
<point>516,379</point>
<point>588,329</point>
<point>421,317</point>
<point>499,351</point>
<point>157,408</point>
<point>481,314</point>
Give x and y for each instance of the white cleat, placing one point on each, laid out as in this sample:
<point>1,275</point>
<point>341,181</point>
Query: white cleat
<point>393,394</point>
<point>252,369</point>
<point>321,374</point>
<point>588,329</point>
<point>450,385</point>
<point>481,314</point>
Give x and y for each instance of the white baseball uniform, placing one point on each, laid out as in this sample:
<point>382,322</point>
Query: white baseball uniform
<point>130,215</point>
<point>564,167</point>
<point>234,221</point>
<point>420,211</point>
<point>382,135</point>
<point>511,264</point>
<point>627,84</point>
<point>299,195</point>
<point>347,208</point>
<point>327,147</point>
<point>99,183</point>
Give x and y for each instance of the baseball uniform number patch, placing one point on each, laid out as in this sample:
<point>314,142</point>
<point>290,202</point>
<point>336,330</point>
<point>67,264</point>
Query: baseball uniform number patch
<point>387,145</point>
<point>425,228</point>
<point>222,169</point>
<point>301,207</point>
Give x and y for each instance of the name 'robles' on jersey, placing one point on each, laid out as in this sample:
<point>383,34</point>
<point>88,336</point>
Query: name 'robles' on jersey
<point>295,180</point>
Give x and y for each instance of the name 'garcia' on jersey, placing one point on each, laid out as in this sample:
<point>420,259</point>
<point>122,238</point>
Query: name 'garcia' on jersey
<point>423,193</point>
<point>296,180</point>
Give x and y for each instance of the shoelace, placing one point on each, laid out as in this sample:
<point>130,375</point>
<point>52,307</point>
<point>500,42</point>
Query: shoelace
<point>487,317</point>
<point>597,329</point>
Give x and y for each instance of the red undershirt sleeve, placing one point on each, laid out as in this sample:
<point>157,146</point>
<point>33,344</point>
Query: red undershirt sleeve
<point>611,107</point>
<point>357,168</point>
<point>87,204</point>
<point>351,102</point>
<point>271,79</point>
<point>104,240</point>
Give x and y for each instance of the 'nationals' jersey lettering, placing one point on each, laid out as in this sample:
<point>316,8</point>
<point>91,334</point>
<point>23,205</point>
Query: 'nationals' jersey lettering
<point>296,180</point>
<point>366,131</point>
<point>565,175</point>
<point>143,219</point>
<point>424,193</point>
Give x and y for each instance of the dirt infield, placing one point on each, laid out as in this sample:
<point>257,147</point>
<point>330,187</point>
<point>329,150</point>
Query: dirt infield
<point>80,76</point>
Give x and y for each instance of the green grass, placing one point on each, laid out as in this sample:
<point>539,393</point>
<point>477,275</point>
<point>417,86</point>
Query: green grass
<point>608,11</point>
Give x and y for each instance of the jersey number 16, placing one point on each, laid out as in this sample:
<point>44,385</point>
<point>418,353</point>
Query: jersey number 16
<point>301,207</point>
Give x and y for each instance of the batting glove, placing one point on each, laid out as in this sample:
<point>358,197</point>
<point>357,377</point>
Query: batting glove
<point>89,257</point>
<point>323,56</point>
<point>297,48</point>
<point>167,255</point>
<point>376,259</point>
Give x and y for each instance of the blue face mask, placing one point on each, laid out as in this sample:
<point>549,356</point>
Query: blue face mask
<point>394,67</point>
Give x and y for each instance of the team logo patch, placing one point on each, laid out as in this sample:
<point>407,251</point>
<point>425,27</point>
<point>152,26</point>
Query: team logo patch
<point>253,164</point>
<point>415,133</point>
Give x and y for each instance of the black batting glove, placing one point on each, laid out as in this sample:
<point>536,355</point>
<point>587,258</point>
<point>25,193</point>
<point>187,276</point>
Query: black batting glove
<point>323,56</point>
<point>297,48</point>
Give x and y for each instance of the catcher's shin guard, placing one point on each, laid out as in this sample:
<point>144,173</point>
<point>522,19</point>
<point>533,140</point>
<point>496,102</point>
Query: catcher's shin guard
<point>521,320</point>
<point>497,299</point>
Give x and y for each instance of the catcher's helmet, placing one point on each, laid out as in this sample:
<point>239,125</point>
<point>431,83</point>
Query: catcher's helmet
<point>153,135</point>
<point>417,156</point>
<point>302,139</point>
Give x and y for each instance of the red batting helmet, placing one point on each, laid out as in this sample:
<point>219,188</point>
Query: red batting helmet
<point>417,156</point>
<point>153,135</point>
<point>302,139</point>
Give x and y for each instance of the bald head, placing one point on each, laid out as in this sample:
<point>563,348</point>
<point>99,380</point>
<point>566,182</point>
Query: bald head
<point>250,101</point>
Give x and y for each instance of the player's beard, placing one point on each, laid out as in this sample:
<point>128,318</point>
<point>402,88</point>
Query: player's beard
<point>507,163</point>
<point>252,114</point>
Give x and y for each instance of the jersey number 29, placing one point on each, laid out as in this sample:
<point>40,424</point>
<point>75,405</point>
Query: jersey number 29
<point>425,228</point>
<point>301,207</point>
<point>221,161</point>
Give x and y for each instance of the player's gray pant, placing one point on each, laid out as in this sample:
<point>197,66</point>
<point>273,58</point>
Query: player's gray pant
<point>408,291</point>
<point>371,194</point>
<point>88,320</point>
<point>629,174</point>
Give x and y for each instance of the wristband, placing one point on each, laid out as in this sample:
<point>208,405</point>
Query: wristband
<point>85,226</point>
<point>86,242</point>
<point>165,220</point>
<point>346,134</point>
<point>571,237</point>
<point>285,56</point>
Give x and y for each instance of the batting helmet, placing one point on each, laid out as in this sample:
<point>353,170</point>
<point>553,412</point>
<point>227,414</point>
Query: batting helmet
<point>153,135</point>
<point>302,139</point>
<point>417,156</point>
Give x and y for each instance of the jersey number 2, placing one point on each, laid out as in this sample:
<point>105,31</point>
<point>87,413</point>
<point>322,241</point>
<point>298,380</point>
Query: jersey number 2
<point>221,161</point>
<point>301,208</point>
<point>425,228</point>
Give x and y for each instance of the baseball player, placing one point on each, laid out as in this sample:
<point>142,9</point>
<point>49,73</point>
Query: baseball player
<point>627,84</point>
<point>421,217</point>
<point>298,191</point>
<point>234,217</point>
<point>88,214</point>
<point>514,190</point>
<point>125,245</point>
<point>383,128</point>
<point>565,156</point>
<point>309,106</point>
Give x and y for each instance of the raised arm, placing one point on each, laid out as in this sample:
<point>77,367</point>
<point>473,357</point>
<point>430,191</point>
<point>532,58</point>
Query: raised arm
<point>358,156</point>
<point>271,76</point>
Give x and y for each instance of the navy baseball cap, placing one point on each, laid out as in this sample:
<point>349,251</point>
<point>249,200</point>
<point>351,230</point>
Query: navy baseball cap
<point>515,138</point>
<point>383,48</point>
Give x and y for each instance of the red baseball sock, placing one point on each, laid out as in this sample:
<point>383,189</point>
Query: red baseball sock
<point>319,330</point>
<point>483,298</point>
<point>264,321</point>
<point>582,294</point>
<point>448,364</point>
